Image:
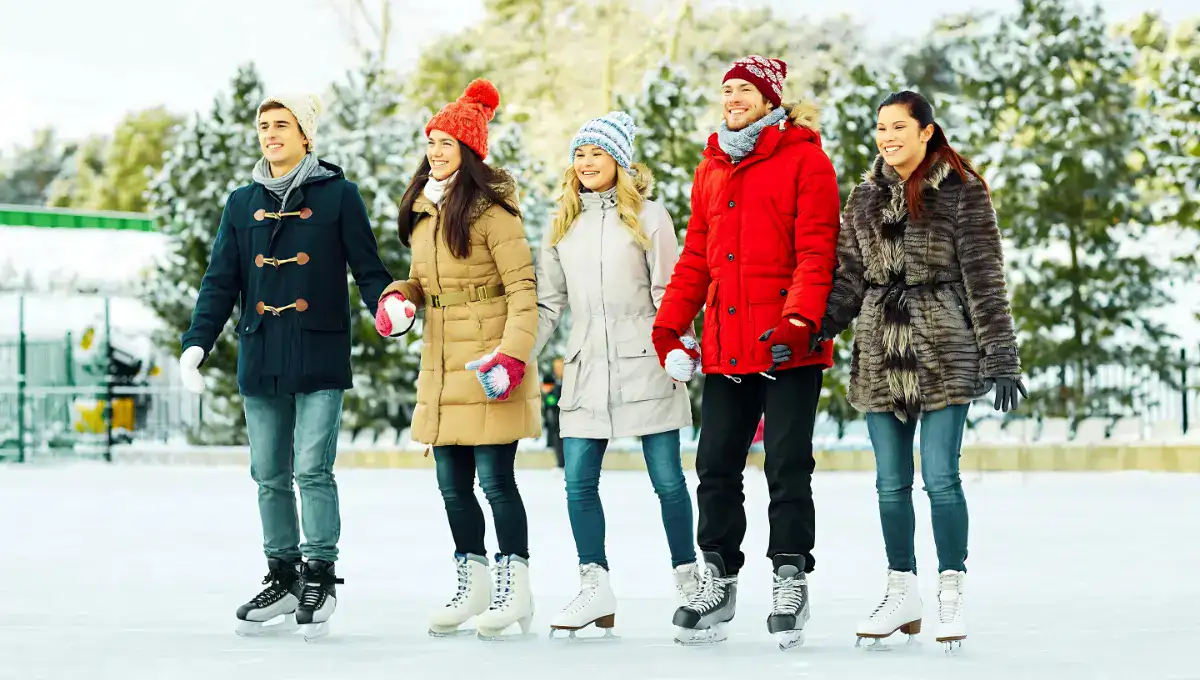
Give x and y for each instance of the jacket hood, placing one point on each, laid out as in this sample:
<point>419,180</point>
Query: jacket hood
<point>505,186</point>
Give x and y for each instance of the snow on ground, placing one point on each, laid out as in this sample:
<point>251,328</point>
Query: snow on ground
<point>135,572</point>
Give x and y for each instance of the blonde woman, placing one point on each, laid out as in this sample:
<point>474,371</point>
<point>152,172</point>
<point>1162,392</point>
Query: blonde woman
<point>609,257</point>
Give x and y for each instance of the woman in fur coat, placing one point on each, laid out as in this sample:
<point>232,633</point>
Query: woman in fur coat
<point>472,271</point>
<point>608,258</point>
<point>921,267</point>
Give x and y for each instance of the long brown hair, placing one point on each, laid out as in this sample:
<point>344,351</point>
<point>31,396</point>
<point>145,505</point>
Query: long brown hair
<point>937,149</point>
<point>474,182</point>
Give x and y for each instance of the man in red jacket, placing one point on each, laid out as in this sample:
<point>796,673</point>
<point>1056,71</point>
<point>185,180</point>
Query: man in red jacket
<point>759,256</point>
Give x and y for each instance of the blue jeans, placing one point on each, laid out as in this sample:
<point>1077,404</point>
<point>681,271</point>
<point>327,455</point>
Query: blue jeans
<point>583,459</point>
<point>941,443</point>
<point>456,466</point>
<point>296,435</point>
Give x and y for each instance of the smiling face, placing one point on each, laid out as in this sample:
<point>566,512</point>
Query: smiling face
<point>900,137</point>
<point>595,169</point>
<point>280,138</point>
<point>742,103</point>
<point>444,154</point>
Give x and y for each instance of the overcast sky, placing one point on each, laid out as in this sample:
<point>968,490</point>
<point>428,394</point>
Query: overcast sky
<point>80,65</point>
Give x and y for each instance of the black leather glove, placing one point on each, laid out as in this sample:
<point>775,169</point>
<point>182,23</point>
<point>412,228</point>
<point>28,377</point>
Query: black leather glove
<point>780,353</point>
<point>1006,393</point>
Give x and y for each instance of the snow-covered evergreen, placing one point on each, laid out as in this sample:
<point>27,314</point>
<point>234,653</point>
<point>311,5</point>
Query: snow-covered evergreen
<point>508,149</point>
<point>213,155</point>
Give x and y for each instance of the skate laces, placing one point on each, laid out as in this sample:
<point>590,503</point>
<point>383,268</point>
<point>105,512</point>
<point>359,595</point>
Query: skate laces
<point>710,591</point>
<point>896,590</point>
<point>590,578</point>
<point>464,583</point>
<point>277,583</point>
<point>788,594</point>
<point>949,597</point>
<point>503,570</point>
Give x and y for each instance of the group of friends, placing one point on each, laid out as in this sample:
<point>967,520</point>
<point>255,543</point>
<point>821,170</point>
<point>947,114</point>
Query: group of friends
<point>780,269</point>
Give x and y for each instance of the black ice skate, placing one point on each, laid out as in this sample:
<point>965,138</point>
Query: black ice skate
<point>277,601</point>
<point>789,595</point>
<point>702,620</point>
<point>318,598</point>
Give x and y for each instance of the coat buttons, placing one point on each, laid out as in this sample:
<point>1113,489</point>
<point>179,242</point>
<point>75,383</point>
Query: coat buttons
<point>783,292</point>
<point>733,362</point>
<point>729,257</point>
<point>731,204</point>
<point>732,310</point>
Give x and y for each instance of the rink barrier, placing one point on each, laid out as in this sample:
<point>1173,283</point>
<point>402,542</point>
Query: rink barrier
<point>1066,458</point>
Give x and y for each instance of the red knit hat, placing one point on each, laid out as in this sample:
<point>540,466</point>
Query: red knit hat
<point>765,74</point>
<point>466,118</point>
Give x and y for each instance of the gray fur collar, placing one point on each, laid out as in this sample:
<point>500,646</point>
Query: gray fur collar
<point>881,174</point>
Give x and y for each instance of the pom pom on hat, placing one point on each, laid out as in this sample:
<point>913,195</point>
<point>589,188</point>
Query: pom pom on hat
<point>307,109</point>
<point>614,132</point>
<point>466,118</point>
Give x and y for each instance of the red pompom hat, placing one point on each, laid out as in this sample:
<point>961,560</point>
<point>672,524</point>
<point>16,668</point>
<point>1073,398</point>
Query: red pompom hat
<point>466,118</point>
<point>765,74</point>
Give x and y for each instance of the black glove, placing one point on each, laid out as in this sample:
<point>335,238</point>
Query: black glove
<point>1006,393</point>
<point>780,353</point>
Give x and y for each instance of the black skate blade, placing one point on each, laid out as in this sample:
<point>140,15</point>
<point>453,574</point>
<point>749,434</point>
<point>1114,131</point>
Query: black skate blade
<point>284,624</point>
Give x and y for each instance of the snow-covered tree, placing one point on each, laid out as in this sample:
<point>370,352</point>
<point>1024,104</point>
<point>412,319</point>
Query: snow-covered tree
<point>379,149</point>
<point>848,116</point>
<point>508,149</point>
<point>212,156</point>
<point>670,136</point>
<point>1064,158</point>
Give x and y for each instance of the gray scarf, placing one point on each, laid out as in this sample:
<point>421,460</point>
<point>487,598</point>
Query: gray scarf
<point>604,200</point>
<point>282,187</point>
<point>740,143</point>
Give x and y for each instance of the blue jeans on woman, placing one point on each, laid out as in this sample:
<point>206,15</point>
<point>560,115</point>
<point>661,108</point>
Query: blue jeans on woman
<point>456,467</point>
<point>941,444</point>
<point>583,459</point>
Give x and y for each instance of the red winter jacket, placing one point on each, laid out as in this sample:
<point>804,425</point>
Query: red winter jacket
<point>760,245</point>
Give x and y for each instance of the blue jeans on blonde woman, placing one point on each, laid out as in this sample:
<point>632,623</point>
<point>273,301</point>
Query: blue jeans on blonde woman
<point>583,459</point>
<point>941,444</point>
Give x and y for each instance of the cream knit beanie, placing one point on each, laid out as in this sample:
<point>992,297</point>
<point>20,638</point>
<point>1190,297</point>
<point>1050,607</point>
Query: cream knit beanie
<point>306,108</point>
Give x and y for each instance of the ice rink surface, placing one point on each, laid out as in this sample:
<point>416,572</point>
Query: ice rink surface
<point>135,572</point>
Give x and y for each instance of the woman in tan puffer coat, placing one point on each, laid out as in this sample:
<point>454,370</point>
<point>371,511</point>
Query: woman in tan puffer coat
<point>472,270</point>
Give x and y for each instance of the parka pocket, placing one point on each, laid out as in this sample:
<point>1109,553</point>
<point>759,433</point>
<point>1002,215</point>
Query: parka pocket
<point>572,361</point>
<point>710,333</point>
<point>639,373</point>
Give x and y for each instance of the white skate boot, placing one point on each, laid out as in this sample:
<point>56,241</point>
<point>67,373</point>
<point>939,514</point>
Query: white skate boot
<point>472,598</point>
<point>952,628</point>
<point>277,601</point>
<point>595,604</point>
<point>687,580</point>
<point>512,603</point>
<point>900,610</point>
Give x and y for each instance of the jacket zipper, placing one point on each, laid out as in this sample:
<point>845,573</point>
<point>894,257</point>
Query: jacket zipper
<point>604,315</point>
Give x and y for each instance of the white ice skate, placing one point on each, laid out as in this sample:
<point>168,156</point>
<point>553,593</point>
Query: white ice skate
<point>512,603</point>
<point>472,598</point>
<point>952,628</point>
<point>702,620</point>
<point>318,599</point>
<point>594,605</point>
<point>900,610</point>
<point>687,580</point>
<point>272,611</point>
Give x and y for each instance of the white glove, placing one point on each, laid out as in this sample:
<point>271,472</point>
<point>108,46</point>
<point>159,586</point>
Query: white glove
<point>402,313</point>
<point>189,369</point>
<point>679,364</point>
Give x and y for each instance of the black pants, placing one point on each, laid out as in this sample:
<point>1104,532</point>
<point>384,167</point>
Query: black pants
<point>456,467</point>
<point>731,411</point>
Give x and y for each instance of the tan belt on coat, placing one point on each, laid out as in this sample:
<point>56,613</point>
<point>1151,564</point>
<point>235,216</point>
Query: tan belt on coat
<point>458,297</point>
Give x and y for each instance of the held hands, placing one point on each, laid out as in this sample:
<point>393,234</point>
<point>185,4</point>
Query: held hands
<point>189,369</point>
<point>1006,393</point>
<point>680,364</point>
<point>791,334</point>
<point>395,315</point>
<point>498,373</point>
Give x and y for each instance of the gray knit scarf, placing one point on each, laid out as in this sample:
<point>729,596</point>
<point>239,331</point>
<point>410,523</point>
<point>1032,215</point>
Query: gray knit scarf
<point>282,187</point>
<point>740,143</point>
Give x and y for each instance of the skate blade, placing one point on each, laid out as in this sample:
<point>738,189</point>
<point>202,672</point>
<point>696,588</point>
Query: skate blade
<point>689,637</point>
<point>573,635</point>
<point>451,632</point>
<point>314,631</point>
<point>789,638</point>
<point>284,625</point>
<point>952,646</point>
<point>501,636</point>
<point>877,644</point>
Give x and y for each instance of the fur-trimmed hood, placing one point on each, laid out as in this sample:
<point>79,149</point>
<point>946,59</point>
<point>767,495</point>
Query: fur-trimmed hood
<point>804,115</point>
<point>643,179</point>
<point>506,187</point>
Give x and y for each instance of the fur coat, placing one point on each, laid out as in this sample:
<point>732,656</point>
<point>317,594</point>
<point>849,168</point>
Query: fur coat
<point>934,327</point>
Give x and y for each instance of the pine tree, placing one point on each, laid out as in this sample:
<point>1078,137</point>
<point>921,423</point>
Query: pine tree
<point>379,149</point>
<point>1064,157</point>
<point>212,156</point>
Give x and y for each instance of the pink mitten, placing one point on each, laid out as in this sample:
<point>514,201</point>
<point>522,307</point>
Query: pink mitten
<point>498,373</point>
<point>395,315</point>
